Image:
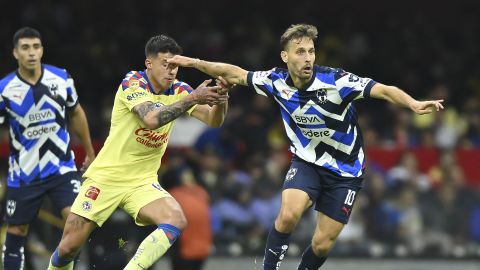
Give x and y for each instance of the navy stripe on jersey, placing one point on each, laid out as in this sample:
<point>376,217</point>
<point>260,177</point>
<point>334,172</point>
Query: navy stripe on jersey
<point>39,139</point>
<point>320,120</point>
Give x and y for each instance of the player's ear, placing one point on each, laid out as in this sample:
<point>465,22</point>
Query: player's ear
<point>284,56</point>
<point>15,53</point>
<point>148,63</point>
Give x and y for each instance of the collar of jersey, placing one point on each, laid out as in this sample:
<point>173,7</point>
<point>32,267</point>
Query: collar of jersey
<point>289,81</point>
<point>150,87</point>
<point>25,81</point>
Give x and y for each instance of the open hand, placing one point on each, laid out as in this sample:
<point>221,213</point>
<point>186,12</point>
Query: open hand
<point>425,107</point>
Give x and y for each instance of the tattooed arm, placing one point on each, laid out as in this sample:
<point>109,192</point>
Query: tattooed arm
<point>232,74</point>
<point>155,116</point>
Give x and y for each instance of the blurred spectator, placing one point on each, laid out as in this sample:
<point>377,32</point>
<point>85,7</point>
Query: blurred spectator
<point>195,243</point>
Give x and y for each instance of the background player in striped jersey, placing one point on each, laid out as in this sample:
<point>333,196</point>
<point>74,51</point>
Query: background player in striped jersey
<point>125,172</point>
<point>321,123</point>
<point>35,100</point>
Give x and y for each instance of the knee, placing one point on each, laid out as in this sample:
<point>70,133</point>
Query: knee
<point>68,249</point>
<point>287,220</point>
<point>178,219</point>
<point>20,230</point>
<point>322,245</point>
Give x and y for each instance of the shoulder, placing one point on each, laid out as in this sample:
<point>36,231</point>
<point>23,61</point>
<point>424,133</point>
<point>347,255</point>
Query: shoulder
<point>179,87</point>
<point>134,80</point>
<point>60,72</point>
<point>7,79</point>
<point>330,74</point>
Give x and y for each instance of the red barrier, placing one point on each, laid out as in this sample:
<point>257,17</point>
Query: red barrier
<point>469,159</point>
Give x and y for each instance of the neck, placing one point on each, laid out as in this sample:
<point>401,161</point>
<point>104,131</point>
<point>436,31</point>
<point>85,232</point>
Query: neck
<point>30,75</point>
<point>157,88</point>
<point>298,82</point>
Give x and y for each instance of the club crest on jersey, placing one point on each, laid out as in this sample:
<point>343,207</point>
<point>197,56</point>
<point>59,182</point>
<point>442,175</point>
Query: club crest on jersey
<point>322,96</point>
<point>86,206</point>
<point>290,174</point>
<point>92,193</point>
<point>11,206</point>
<point>133,84</point>
<point>54,89</point>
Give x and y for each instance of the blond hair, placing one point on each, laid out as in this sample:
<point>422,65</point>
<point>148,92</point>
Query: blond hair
<point>298,31</point>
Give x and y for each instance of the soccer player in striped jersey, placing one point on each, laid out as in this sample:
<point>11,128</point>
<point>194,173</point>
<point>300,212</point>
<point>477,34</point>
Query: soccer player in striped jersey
<point>316,104</point>
<point>124,174</point>
<point>35,101</point>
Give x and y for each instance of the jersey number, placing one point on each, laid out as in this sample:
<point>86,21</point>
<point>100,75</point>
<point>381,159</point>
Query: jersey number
<point>76,185</point>
<point>350,197</point>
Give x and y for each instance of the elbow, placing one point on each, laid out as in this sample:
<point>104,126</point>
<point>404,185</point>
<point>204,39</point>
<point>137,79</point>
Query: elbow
<point>150,122</point>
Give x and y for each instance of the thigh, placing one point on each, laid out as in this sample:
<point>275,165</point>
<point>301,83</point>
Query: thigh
<point>23,203</point>
<point>142,198</point>
<point>303,176</point>
<point>64,189</point>
<point>338,196</point>
<point>97,201</point>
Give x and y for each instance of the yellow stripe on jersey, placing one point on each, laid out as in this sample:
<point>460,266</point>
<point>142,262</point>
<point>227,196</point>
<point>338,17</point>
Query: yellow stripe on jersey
<point>132,153</point>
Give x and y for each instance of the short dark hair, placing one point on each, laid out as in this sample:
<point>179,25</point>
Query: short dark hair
<point>296,31</point>
<point>25,32</point>
<point>162,44</point>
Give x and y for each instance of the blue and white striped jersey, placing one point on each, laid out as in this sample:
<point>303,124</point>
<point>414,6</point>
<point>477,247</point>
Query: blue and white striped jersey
<point>320,119</point>
<point>39,140</point>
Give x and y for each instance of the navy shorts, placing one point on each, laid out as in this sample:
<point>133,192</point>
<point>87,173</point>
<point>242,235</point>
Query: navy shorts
<point>332,194</point>
<point>23,203</point>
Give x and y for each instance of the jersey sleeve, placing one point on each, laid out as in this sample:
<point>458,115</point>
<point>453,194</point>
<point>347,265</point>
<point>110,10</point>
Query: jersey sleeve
<point>72,96</point>
<point>132,93</point>
<point>352,86</point>
<point>261,81</point>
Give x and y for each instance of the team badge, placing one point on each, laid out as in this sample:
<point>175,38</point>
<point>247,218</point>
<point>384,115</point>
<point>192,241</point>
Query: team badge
<point>290,174</point>
<point>86,206</point>
<point>133,84</point>
<point>54,89</point>
<point>322,96</point>
<point>92,193</point>
<point>11,206</point>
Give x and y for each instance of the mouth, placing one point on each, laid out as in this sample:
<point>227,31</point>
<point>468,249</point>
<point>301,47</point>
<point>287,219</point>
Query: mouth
<point>307,69</point>
<point>32,61</point>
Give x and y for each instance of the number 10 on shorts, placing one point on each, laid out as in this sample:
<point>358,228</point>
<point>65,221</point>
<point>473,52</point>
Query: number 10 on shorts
<point>350,197</point>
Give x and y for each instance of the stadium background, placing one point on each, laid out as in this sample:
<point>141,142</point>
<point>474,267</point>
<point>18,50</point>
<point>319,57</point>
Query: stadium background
<point>421,198</point>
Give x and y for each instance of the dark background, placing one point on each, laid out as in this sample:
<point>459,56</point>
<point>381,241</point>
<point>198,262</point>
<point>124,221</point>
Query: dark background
<point>429,49</point>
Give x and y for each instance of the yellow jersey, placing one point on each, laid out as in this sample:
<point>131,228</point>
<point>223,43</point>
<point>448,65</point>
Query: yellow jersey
<point>132,153</point>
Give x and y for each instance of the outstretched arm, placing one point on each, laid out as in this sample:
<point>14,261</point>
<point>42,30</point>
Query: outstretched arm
<point>155,116</point>
<point>232,74</point>
<point>399,97</point>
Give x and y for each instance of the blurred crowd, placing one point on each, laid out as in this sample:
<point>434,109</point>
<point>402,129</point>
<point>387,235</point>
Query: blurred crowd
<point>403,210</point>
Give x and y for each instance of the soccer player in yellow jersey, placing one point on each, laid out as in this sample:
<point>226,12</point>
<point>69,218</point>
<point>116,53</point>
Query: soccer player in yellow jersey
<point>124,174</point>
